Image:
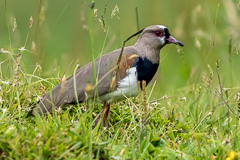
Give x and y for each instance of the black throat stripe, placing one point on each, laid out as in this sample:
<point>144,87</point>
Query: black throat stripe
<point>145,69</point>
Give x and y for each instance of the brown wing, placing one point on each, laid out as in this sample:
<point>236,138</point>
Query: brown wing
<point>104,70</point>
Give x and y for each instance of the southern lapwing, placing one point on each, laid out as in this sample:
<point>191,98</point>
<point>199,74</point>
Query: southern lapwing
<point>117,72</point>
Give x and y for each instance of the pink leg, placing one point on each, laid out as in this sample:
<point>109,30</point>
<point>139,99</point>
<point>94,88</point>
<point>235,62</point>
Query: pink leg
<point>106,115</point>
<point>99,116</point>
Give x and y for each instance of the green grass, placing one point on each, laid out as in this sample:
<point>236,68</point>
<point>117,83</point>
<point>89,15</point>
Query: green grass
<point>195,127</point>
<point>189,111</point>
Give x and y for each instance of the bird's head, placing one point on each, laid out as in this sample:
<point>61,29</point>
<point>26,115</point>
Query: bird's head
<point>157,36</point>
<point>153,38</point>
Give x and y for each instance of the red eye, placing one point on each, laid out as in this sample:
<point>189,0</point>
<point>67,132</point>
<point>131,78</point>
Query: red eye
<point>158,33</point>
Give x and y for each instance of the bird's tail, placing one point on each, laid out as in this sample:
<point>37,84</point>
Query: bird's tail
<point>53,99</point>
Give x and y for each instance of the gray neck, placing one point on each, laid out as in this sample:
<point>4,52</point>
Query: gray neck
<point>148,51</point>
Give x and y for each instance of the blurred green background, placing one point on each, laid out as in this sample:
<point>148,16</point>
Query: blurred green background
<point>59,38</point>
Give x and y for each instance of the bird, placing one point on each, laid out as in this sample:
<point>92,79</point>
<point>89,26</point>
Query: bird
<point>117,74</point>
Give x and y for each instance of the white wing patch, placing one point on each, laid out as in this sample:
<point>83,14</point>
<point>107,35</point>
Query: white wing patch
<point>127,87</point>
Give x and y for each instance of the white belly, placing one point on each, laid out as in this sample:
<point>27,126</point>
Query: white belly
<point>127,87</point>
